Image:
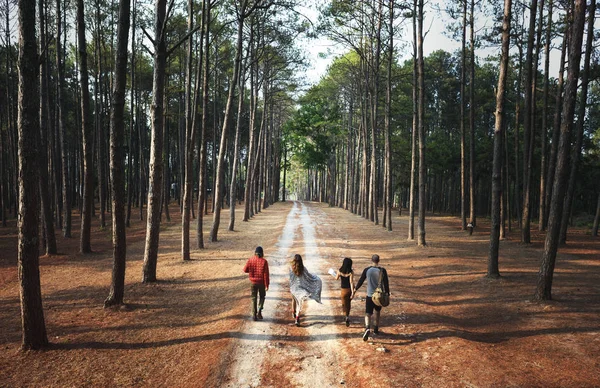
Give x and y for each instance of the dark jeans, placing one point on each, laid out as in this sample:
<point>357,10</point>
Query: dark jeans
<point>260,290</point>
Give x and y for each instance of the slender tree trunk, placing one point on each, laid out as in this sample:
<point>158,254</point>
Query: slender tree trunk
<point>132,120</point>
<point>546,272</point>
<point>556,125</point>
<point>219,189</point>
<point>87,135</point>
<point>544,132</point>
<point>32,311</point>
<point>463,161</point>
<point>43,146</point>
<point>156,146</point>
<point>66,193</point>
<point>472,204</point>
<point>574,160</point>
<point>421,118</point>
<point>117,173</point>
<point>236,146</point>
<point>388,107</point>
<point>189,140</point>
<point>202,181</point>
<point>492,270</point>
<point>414,133</point>
<point>530,71</point>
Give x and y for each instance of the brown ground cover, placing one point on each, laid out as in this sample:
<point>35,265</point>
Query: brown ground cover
<point>447,324</point>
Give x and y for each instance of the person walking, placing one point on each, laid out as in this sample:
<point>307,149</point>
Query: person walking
<point>257,269</point>
<point>346,274</point>
<point>303,286</point>
<point>371,275</point>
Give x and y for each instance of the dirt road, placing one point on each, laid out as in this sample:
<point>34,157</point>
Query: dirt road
<point>311,350</point>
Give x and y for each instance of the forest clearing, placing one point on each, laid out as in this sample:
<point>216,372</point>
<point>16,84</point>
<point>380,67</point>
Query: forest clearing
<point>447,324</point>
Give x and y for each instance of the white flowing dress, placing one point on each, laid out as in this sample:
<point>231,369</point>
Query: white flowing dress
<point>305,286</point>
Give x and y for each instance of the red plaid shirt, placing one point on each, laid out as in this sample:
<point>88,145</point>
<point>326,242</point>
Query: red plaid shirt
<point>257,269</point>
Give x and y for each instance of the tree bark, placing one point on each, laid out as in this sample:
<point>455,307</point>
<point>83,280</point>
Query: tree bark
<point>45,200</point>
<point>530,71</point>
<point>87,135</point>
<point>66,193</point>
<point>463,142</point>
<point>155,188</point>
<point>574,160</point>
<point>117,173</point>
<point>544,131</point>
<point>32,312</point>
<point>546,272</point>
<point>492,269</point>
<point>415,126</point>
<point>421,118</point>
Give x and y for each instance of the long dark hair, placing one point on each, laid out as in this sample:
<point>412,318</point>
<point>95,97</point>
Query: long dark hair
<point>346,267</point>
<point>297,265</point>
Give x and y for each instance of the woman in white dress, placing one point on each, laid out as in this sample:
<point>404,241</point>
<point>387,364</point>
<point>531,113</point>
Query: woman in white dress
<point>303,285</point>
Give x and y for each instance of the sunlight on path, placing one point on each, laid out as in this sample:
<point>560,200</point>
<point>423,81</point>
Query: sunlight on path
<point>316,361</point>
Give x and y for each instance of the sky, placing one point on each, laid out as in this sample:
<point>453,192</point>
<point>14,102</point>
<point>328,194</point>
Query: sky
<point>435,39</point>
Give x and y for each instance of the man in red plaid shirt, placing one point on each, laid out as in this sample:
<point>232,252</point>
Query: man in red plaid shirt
<point>257,269</point>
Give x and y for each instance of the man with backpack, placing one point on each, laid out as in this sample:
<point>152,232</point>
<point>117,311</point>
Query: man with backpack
<point>374,275</point>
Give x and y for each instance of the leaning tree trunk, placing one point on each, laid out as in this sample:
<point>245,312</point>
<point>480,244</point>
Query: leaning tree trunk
<point>219,189</point>
<point>492,270</point>
<point>236,146</point>
<point>556,126</point>
<point>155,188</point>
<point>421,118</point>
<point>32,311</point>
<point>546,272</point>
<point>117,173</point>
<point>88,168</point>
<point>580,127</point>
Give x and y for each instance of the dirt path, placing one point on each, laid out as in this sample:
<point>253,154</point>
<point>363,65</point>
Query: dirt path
<point>447,325</point>
<point>311,348</point>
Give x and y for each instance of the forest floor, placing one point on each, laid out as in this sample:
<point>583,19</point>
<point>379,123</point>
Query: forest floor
<point>447,325</point>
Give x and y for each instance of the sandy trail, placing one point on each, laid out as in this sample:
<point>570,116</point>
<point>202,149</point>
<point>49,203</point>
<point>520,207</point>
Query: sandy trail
<point>265,348</point>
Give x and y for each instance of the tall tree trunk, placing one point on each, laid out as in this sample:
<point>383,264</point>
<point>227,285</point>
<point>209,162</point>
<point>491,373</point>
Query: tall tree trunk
<point>544,132</point>
<point>117,173</point>
<point>132,121</point>
<point>66,193</point>
<point>421,118</point>
<point>219,189</point>
<point>492,270</point>
<point>414,133</point>
<point>189,140</point>
<point>45,198</point>
<point>32,311</point>
<point>155,188</point>
<point>575,155</point>
<point>596,218</point>
<point>463,161</point>
<point>472,204</point>
<point>87,135</point>
<point>530,71</point>
<point>202,181</point>
<point>236,146</point>
<point>546,272</point>
<point>556,124</point>
<point>388,107</point>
